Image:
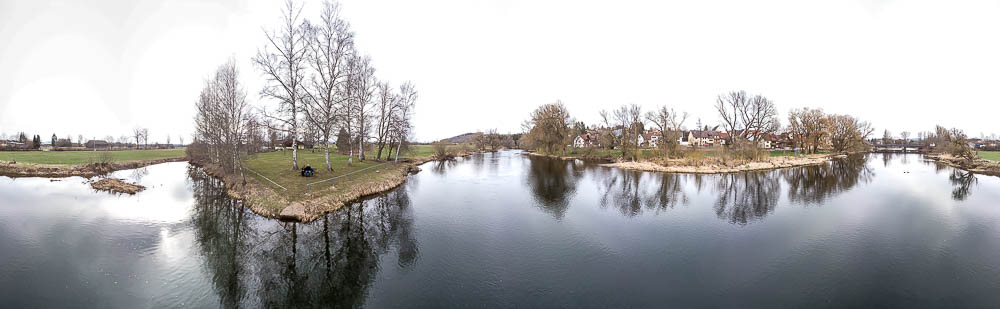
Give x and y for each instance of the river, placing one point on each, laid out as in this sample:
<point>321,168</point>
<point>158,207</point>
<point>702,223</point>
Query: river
<point>508,230</point>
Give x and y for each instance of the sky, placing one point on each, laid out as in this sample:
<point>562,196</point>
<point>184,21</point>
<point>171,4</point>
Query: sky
<point>99,68</point>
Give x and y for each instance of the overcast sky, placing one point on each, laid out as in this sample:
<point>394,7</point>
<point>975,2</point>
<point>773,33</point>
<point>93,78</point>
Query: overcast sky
<point>100,68</point>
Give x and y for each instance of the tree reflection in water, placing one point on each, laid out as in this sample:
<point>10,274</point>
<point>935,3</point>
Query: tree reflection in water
<point>552,183</point>
<point>962,181</point>
<point>746,197</point>
<point>441,166</point>
<point>623,190</point>
<point>258,262</point>
<point>138,173</point>
<point>815,184</point>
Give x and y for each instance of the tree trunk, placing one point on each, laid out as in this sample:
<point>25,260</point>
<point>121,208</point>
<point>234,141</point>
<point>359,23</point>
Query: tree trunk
<point>361,149</point>
<point>295,153</point>
<point>400,145</point>
<point>326,153</point>
<point>350,156</point>
<point>236,156</point>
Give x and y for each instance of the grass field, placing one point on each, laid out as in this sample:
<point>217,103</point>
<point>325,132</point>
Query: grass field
<point>990,155</point>
<point>277,166</point>
<point>84,157</point>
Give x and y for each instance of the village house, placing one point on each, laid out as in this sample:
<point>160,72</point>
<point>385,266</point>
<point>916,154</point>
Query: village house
<point>287,144</point>
<point>9,144</point>
<point>585,140</point>
<point>706,138</point>
<point>99,144</point>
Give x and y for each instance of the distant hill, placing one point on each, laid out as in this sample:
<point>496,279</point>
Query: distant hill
<point>460,139</point>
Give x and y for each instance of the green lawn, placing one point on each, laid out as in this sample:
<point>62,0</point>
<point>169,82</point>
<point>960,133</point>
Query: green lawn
<point>990,155</point>
<point>277,166</point>
<point>84,157</point>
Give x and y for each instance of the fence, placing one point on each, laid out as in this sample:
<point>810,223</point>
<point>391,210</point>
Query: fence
<point>350,176</point>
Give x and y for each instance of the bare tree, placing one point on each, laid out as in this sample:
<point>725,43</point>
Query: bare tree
<point>282,62</point>
<point>809,127</point>
<point>330,43</point>
<point>137,134</point>
<point>111,142</point>
<point>407,101</point>
<point>222,117</point>
<point>848,133</point>
<point>629,119</point>
<point>670,124</point>
<point>746,117</point>
<point>548,127</point>
<point>79,139</point>
<point>360,89</point>
<point>387,105</point>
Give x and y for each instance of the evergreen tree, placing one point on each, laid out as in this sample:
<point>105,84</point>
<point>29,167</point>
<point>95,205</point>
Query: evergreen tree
<point>343,141</point>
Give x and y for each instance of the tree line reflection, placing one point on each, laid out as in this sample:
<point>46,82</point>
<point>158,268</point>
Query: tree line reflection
<point>741,198</point>
<point>816,184</point>
<point>258,262</point>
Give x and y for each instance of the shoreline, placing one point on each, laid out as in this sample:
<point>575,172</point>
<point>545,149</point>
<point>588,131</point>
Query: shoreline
<point>680,166</point>
<point>772,164</point>
<point>91,170</point>
<point>265,201</point>
<point>592,159</point>
<point>978,166</point>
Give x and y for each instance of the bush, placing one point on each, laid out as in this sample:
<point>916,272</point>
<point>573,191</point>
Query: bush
<point>197,152</point>
<point>440,150</point>
<point>105,158</point>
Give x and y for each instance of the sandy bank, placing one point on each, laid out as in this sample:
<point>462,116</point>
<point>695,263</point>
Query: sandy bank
<point>678,166</point>
<point>11,169</point>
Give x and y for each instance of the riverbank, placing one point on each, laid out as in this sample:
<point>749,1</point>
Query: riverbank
<point>703,165</point>
<point>978,166</point>
<point>297,202</point>
<point>20,169</point>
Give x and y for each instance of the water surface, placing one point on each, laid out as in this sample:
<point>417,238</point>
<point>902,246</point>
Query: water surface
<point>506,230</point>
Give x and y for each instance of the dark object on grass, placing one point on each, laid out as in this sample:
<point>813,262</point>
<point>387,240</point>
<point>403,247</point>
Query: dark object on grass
<point>307,171</point>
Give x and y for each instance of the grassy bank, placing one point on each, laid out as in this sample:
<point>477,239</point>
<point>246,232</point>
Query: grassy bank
<point>990,155</point>
<point>86,157</point>
<point>276,190</point>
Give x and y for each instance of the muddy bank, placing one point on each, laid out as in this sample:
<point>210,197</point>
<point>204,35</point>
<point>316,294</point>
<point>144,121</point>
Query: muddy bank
<point>683,166</point>
<point>116,185</point>
<point>978,166</point>
<point>12,169</point>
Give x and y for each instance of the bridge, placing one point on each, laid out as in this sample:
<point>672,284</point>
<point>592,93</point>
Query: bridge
<point>900,148</point>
